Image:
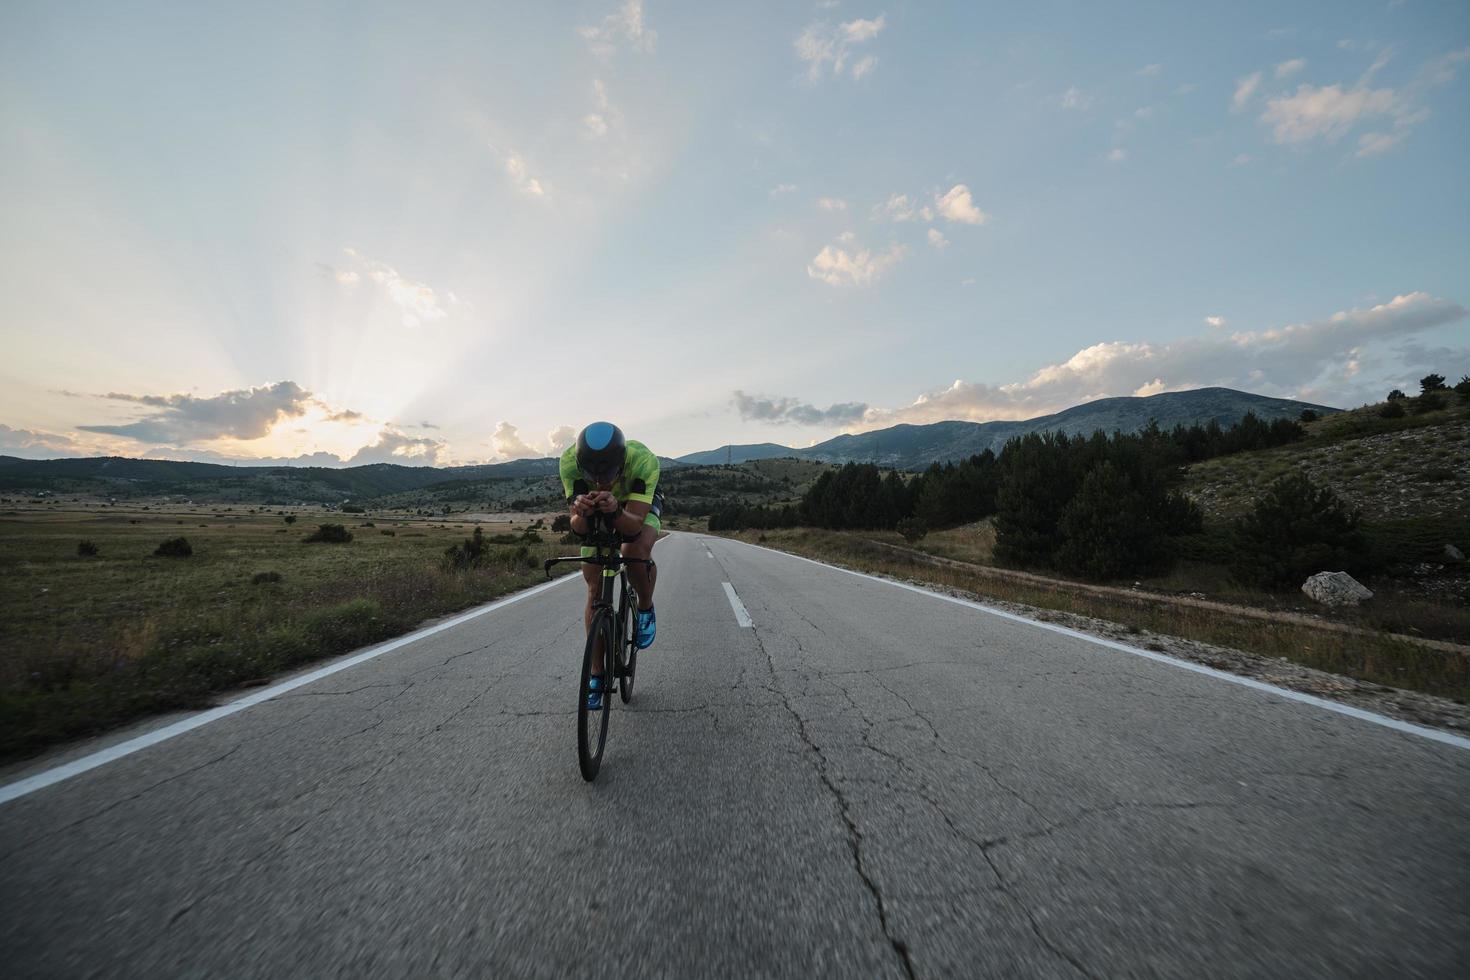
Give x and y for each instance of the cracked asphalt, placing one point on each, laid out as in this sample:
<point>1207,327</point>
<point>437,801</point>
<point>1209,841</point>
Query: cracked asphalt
<point>868,783</point>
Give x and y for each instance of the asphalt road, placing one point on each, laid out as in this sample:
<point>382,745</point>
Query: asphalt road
<point>869,782</point>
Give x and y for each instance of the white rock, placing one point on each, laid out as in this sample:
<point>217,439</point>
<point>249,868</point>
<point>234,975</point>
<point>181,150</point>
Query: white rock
<point>1336,589</point>
<point>1453,553</point>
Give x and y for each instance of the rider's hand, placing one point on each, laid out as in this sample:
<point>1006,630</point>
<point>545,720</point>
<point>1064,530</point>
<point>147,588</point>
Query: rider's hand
<point>585,504</point>
<point>606,502</point>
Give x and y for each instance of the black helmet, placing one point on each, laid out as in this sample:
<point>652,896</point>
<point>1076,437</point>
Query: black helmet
<point>601,449</point>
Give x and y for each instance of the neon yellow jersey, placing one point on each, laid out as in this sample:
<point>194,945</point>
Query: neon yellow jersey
<point>637,482</point>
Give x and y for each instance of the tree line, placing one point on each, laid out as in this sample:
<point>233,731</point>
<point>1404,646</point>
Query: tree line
<point>1100,506</point>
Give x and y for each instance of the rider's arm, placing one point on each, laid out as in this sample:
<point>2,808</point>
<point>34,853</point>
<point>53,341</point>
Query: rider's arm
<point>581,506</point>
<point>631,517</point>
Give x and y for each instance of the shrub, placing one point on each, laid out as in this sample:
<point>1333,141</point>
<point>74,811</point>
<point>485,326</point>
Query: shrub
<point>330,534</point>
<point>367,524</point>
<point>174,548</point>
<point>1294,530</point>
<point>1430,401</point>
<point>1392,409</point>
<point>1431,382</point>
<point>290,518</point>
<point>913,528</point>
<point>1309,416</point>
<point>562,523</point>
<point>353,509</point>
<point>1396,395</point>
<point>1463,388</point>
<point>354,623</point>
<point>388,533</point>
<point>471,554</point>
<point>1437,474</point>
<point>86,549</point>
<point>261,578</point>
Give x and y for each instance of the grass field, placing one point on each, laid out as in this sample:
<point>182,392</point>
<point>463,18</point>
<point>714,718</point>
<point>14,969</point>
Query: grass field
<point>89,642</point>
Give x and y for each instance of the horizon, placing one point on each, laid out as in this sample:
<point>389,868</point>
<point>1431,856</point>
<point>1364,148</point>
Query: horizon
<point>288,237</point>
<point>274,463</point>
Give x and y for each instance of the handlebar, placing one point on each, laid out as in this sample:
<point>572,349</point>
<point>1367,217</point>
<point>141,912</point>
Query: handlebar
<point>602,536</point>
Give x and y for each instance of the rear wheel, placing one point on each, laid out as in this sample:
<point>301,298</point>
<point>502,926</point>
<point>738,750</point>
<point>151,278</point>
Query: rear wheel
<point>627,635</point>
<point>592,724</point>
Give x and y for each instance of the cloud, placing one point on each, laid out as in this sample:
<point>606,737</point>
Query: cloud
<point>417,302</point>
<point>900,207</point>
<point>560,438</point>
<point>831,204</point>
<point>780,189</point>
<point>396,447</point>
<point>626,24</point>
<point>957,205</point>
<point>826,48</point>
<point>605,116</point>
<point>1150,69</point>
<point>1215,321</point>
<point>1241,159</point>
<point>1371,144</point>
<point>246,413</point>
<point>791,411</point>
<point>1287,361</point>
<point>1117,155</point>
<point>1327,112</point>
<point>1075,98</point>
<point>937,239</point>
<point>515,169</point>
<point>31,444</point>
<point>837,267</point>
<point>1244,89</point>
<point>509,445</point>
<point>346,415</point>
<point>1290,67</point>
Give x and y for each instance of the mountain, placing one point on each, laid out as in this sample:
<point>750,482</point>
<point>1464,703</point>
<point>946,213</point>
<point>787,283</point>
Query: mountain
<point>119,476</point>
<point>916,446</point>
<point>736,454</point>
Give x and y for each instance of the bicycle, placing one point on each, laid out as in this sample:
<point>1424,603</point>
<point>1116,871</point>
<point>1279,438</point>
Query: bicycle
<point>613,624</point>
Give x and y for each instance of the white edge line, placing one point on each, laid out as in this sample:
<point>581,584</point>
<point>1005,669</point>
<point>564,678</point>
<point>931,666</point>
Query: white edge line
<point>76,767</point>
<point>741,616</point>
<point>1409,728</point>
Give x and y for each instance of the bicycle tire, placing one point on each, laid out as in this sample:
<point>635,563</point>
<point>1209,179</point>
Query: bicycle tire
<point>592,725</point>
<point>627,640</point>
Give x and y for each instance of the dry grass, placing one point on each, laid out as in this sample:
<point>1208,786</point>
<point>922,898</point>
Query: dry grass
<point>1379,659</point>
<point>86,643</point>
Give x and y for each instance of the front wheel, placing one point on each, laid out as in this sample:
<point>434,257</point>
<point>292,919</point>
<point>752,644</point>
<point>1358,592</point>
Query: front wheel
<point>592,724</point>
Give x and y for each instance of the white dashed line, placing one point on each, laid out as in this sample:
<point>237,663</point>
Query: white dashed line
<point>741,616</point>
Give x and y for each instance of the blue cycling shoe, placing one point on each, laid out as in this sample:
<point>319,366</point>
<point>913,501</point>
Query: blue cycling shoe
<point>594,693</point>
<point>647,627</point>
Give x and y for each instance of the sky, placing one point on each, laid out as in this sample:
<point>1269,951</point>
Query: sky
<point>447,233</point>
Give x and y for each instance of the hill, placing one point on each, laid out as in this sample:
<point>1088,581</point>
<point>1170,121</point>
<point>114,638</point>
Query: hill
<point>911,447</point>
<point>914,447</point>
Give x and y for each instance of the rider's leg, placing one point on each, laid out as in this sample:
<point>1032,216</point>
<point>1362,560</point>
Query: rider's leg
<point>592,575</point>
<point>643,581</point>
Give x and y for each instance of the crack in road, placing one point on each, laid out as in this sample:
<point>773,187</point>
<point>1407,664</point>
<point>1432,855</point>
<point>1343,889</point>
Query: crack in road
<point>854,835</point>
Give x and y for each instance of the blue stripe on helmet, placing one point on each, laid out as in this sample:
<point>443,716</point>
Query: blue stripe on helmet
<point>599,434</point>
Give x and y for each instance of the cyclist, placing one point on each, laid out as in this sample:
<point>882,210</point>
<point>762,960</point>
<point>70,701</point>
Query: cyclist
<point>607,473</point>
